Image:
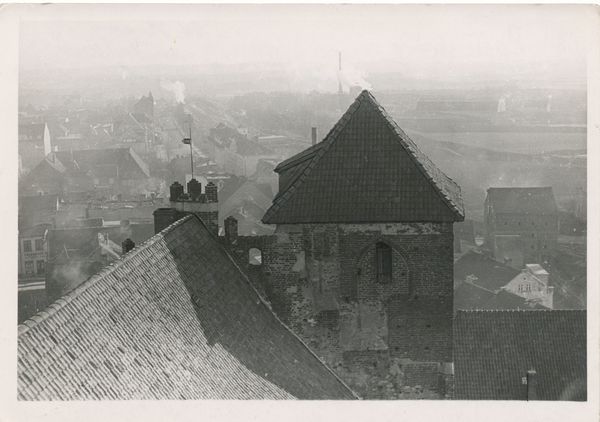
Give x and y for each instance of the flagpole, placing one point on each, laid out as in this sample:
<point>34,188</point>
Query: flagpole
<point>191,149</point>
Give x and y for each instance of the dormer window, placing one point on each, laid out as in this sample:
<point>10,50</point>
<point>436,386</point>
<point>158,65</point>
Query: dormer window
<point>384,263</point>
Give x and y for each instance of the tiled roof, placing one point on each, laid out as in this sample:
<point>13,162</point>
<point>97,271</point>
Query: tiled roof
<point>523,200</point>
<point>491,274</point>
<point>508,300</point>
<point>365,170</point>
<point>35,231</point>
<point>470,297</point>
<point>493,350</point>
<point>131,166</point>
<point>46,203</point>
<point>172,319</point>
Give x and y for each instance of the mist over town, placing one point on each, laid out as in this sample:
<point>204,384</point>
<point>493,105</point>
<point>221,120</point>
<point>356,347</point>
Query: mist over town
<point>305,201</point>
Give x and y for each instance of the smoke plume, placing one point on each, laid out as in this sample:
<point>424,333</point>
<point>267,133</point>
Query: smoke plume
<point>177,88</point>
<point>349,77</point>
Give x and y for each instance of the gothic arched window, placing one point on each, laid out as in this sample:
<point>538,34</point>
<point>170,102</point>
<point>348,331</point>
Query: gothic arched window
<point>384,263</point>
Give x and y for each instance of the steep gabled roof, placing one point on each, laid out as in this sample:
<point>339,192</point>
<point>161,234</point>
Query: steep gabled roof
<point>32,131</point>
<point>365,170</point>
<point>172,319</point>
<point>493,350</point>
<point>522,200</point>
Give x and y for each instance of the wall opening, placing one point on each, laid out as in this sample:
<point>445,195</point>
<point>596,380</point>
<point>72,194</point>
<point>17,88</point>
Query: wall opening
<point>255,256</point>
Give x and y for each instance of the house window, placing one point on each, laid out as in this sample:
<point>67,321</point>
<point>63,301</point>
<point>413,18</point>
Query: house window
<point>384,263</point>
<point>39,245</point>
<point>40,267</point>
<point>506,223</point>
<point>528,287</point>
<point>520,288</point>
<point>124,182</point>
<point>519,223</point>
<point>27,247</point>
<point>28,267</point>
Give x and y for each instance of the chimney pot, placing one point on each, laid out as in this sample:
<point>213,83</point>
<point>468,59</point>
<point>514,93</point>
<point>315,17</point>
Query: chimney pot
<point>176,191</point>
<point>127,245</point>
<point>194,189</point>
<point>314,135</point>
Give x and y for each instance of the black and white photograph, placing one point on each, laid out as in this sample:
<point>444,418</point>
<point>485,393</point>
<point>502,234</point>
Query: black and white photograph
<point>383,203</point>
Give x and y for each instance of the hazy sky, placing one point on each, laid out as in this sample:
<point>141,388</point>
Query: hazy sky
<point>64,36</point>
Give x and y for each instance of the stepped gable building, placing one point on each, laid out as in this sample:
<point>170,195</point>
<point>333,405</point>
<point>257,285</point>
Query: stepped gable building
<point>172,319</point>
<point>521,224</point>
<point>520,355</point>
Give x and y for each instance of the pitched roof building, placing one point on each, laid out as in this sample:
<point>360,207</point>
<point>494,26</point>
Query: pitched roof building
<point>109,170</point>
<point>365,170</point>
<point>172,319</point>
<point>520,355</point>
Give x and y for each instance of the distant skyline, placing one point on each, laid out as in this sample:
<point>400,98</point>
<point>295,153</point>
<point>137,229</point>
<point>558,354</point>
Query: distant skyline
<point>411,39</point>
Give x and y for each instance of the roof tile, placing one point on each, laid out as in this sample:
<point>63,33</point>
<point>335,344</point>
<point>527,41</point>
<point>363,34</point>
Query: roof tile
<point>102,339</point>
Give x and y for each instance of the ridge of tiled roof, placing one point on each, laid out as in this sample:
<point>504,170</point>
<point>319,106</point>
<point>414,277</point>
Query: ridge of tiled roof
<point>520,310</point>
<point>185,317</point>
<point>447,190</point>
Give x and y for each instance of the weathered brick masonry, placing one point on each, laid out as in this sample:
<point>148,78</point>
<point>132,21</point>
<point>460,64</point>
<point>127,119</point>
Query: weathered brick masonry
<point>386,340</point>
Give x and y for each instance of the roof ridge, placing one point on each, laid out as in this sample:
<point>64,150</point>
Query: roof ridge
<point>517,310</point>
<point>65,299</point>
<point>329,139</point>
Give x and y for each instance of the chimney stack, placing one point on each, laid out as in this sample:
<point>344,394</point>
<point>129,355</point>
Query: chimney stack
<point>127,245</point>
<point>211,192</point>
<point>125,225</point>
<point>531,385</point>
<point>314,135</point>
<point>231,228</point>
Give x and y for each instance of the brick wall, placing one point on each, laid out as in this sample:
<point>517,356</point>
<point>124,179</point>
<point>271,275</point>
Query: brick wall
<point>321,281</point>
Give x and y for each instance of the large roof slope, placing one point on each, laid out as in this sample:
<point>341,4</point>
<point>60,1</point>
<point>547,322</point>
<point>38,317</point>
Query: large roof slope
<point>491,274</point>
<point>130,165</point>
<point>365,170</point>
<point>523,200</point>
<point>172,319</point>
<point>494,350</point>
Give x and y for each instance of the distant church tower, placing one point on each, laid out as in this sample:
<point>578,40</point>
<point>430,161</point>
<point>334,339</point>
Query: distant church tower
<point>361,264</point>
